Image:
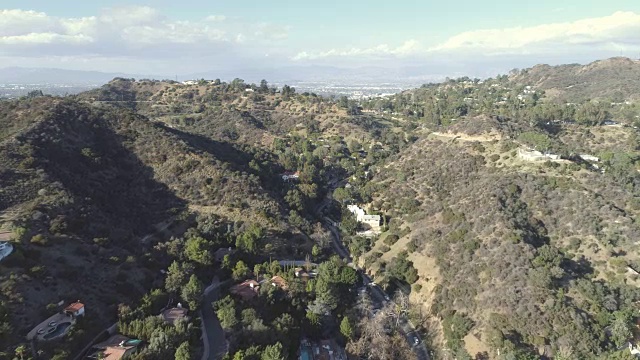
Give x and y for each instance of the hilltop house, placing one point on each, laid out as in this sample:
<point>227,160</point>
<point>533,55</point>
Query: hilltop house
<point>533,155</point>
<point>586,157</point>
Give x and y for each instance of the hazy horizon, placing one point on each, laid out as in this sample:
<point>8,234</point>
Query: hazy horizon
<point>195,37</point>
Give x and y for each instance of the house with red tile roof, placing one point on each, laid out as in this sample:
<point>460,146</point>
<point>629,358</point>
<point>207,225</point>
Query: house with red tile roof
<point>247,290</point>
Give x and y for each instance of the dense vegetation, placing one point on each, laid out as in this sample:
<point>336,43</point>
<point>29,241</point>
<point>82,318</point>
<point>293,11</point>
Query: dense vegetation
<point>121,197</point>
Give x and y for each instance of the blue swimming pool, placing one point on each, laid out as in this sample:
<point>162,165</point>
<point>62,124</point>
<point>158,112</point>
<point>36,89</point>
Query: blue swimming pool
<point>58,330</point>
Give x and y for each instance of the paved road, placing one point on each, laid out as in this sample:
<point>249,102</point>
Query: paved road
<point>215,344</point>
<point>378,295</point>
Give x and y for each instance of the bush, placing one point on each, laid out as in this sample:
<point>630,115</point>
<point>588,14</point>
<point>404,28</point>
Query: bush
<point>494,157</point>
<point>417,287</point>
<point>391,239</point>
<point>39,240</point>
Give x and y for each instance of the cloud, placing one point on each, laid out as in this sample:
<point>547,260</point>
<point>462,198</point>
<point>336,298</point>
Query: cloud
<point>602,36</point>
<point>215,18</point>
<point>135,32</point>
<point>407,48</point>
<point>618,29</point>
<point>269,31</point>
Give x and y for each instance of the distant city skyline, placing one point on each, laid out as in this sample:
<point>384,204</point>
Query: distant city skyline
<point>479,38</point>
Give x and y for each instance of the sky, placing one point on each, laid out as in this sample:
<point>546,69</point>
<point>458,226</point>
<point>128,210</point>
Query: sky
<point>192,36</point>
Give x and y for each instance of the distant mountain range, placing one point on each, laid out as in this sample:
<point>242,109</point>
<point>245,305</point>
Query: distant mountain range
<point>19,75</point>
<point>408,75</point>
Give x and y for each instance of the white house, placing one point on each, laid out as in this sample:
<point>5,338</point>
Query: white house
<point>76,309</point>
<point>190,82</point>
<point>589,158</point>
<point>533,155</point>
<point>371,221</point>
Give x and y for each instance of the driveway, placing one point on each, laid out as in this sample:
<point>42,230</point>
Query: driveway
<point>215,344</point>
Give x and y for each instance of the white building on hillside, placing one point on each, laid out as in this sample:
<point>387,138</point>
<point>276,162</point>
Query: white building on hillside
<point>372,222</point>
<point>589,158</point>
<point>534,155</point>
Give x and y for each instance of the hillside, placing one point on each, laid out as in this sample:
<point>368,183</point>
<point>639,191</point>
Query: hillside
<point>524,250</point>
<point>600,80</point>
<point>509,212</point>
<point>82,186</point>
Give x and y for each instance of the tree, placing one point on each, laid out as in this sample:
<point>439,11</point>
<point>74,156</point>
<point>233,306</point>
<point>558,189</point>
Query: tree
<point>341,195</point>
<point>192,292</point>
<point>349,223</point>
<point>346,329</point>
<point>273,352</point>
<point>182,352</point>
<point>34,93</point>
<point>620,332</point>
<point>264,86</point>
<point>226,312</point>
<point>197,249</point>
<point>240,271</point>
<point>21,351</point>
<point>177,276</point>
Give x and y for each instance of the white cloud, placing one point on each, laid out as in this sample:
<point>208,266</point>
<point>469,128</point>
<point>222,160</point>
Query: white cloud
<point>602,36</point>
<point>621,28</point>
<point>131,31</point>
<point>271,31</point>
<point>215,18</point>
<point>407,48</point>
<point>44,38</point>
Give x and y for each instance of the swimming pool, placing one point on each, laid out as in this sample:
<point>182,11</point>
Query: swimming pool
<point>56,331</point>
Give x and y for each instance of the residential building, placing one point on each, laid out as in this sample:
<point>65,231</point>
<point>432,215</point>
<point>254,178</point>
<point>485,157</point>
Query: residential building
<point>174,314</point>
<point>115,348</point>
<point>290,175</point>
<point>370,222</point>
<point>279,282</point>
<point>75,309</point>
<point>247,290</point>
<point>533,155</point>
<point>589,158</point>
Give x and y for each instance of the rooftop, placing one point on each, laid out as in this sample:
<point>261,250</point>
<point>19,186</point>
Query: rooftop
<point>74,307</point>
<point>114,340</point>
<point>173,314</point>
<point>279,282</point>
<point>246,290</point>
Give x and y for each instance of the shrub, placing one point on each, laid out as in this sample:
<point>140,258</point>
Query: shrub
<point>391,239</point>
<point>39,239</point>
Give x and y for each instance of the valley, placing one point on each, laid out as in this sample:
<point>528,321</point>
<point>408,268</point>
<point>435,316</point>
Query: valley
<point>467,219</point>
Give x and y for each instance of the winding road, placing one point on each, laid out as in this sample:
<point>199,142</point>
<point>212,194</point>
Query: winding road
<point>379,297</point>
<point>215,344</point>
